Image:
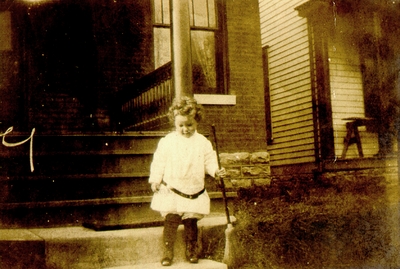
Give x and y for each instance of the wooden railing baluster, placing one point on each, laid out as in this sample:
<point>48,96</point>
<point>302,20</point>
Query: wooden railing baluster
<point>144,104</point>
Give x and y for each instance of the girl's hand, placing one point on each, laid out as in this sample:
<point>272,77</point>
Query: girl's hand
<point>155,187</point>
<point>221,173</point>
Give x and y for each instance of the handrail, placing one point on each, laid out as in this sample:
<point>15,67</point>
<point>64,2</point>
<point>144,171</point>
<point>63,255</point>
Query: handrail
<point>144,104</point>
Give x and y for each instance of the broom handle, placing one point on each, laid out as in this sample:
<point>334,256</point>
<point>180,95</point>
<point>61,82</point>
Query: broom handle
<point>221,181</point>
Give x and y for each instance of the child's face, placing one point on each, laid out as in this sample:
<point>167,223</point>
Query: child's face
<point>185,125</point>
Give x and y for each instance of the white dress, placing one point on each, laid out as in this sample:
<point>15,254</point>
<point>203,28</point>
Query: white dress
<point>182,163</point>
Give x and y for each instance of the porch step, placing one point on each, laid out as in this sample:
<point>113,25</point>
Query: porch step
<point>203,264</point>
<point>80,179</point>
<point>77,167</point>
<point>82,248</point>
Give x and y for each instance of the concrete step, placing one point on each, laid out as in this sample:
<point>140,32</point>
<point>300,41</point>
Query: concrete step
<point>203,264</point>
<point>83,248</point>
<point>99,214</point>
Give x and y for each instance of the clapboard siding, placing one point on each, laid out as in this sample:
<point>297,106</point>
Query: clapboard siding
<point>286,151</point>
<point>296,97</point>
<point>294,134</point>
<point>295,156</point>
<point>299,113</point>
<point>300,141</point>
<point>347,94</point>
<point>299,84</point>
<point>298,64</point>
<point>297,125</point>
<point>289,80</point>
<point>286,35</point>
<point>300,133</point>
<point>287,46</point>
<point>296,105</point>
<point>285,94</point>
<point>281,64</point>
<point>288,122</point>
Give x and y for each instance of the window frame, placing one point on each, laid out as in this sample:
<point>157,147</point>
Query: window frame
<point>220,49</point>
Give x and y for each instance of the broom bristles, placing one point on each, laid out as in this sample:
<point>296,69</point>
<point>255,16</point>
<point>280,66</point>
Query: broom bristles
<point>229,250</point>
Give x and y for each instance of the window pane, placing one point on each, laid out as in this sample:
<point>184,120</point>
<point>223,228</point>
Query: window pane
<point>161,11</point>
<point>162,47</point>
<point>191,12</point>
<point>157,11</point>
<point>200,13</point>
<point>212,22</point>
<point>203,62</point>
<point>203,57</point>
<point>165,8</point>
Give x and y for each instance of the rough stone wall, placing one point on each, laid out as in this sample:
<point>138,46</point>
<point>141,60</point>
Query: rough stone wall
<point>246,169</point>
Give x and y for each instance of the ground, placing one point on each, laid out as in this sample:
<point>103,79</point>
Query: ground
<point>307,223</point>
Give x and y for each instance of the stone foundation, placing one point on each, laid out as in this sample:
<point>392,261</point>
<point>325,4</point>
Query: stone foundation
<point>246,169</point>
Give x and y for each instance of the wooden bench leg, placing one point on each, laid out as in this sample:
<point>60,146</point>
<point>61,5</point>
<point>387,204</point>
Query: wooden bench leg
<point>352,127</point>
<point>358,141</point>
<point>347,139</point>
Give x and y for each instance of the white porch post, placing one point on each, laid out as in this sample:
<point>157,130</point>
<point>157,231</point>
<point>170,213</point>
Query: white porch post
<point>181,54</point>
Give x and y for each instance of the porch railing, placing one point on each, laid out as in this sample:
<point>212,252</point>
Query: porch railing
<point>144,104</point>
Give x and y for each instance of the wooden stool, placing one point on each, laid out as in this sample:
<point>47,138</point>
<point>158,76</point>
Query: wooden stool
<point>352,128</point>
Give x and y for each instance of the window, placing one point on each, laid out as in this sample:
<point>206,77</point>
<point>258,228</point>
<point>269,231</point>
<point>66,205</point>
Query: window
<point>206,61</point>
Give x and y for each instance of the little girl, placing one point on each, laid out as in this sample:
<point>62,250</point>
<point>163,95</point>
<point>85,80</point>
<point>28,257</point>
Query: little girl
<point>177,177</point>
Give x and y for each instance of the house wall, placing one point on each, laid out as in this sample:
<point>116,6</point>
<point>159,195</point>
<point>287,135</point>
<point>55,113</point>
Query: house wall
<point>241,127</point>
<point>347,94</point>
<point>9,74</point>
<point>60,71</point>
<point>120,57</point>
<point>286,34</point>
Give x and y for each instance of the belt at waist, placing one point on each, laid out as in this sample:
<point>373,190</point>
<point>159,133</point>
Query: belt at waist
<point>188,196</point>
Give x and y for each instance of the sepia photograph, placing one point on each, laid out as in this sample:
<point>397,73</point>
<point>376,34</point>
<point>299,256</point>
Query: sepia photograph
<point>208,134</point>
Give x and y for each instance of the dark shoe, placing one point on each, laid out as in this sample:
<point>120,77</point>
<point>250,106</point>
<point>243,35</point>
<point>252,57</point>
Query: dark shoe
<point>168,254</point>
<point>191,253</point>
<point>166,262</point>
<point>193,259</point>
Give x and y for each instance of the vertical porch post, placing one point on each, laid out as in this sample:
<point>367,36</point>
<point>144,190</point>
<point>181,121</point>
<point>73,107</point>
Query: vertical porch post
<point>181,54</point>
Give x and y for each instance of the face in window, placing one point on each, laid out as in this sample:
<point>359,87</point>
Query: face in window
<point>185,125</point>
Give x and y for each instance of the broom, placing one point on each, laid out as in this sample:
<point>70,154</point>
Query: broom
<point>228,253</point>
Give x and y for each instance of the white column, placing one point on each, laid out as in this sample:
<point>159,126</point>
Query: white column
<point>181,54</point>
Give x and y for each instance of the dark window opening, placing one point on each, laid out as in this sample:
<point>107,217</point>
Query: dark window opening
<point>267,99</point>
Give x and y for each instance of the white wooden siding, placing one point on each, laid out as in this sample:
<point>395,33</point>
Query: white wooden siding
<point>347,93</point>
<point>286,35</point>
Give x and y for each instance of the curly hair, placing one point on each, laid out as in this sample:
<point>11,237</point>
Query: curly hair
<point>185,106</point>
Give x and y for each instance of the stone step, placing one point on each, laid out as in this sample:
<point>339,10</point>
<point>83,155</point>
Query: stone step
<point>82,248</point>
<point>203,264</point>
